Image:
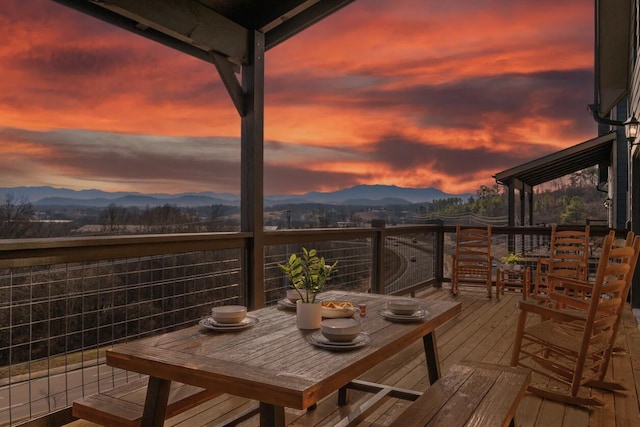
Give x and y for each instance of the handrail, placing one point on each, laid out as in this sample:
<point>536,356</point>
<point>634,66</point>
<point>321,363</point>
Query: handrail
<point>31,252</point>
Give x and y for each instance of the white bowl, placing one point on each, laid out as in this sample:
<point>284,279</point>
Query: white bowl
<point>403,306</point>
<point>334,309</point>
<point>229,313</point>
<point>341,329</point>
<point>293,295</point>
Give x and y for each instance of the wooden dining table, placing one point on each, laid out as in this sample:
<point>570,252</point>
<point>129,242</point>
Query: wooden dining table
<point>274,362</point>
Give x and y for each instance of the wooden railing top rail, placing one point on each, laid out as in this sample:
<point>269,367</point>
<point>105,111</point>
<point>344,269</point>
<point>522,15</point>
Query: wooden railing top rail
<point>30,252</point>
<point>283,237</point>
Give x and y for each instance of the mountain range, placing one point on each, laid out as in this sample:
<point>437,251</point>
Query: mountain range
<point>359,195</point>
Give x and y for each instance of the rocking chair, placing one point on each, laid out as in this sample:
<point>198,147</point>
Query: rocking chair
<point>472,261</point>
<point>572,342</point>
<point>568,257</point>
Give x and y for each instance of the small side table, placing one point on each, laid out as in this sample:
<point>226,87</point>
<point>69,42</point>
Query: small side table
<point>513,279</point>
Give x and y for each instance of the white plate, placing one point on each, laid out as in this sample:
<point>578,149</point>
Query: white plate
<point>287,303</point>
<point>334,313</point>
<point>415,317</point>
<point>320,340</point>
<point>209,323</point>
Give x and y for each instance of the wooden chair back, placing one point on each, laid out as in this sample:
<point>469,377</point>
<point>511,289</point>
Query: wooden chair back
<point>574,341</point>
<point>472,261</point>
<point>568,257</point>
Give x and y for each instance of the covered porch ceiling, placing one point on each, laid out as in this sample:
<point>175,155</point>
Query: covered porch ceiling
<point>217,31</point>
<point>200,27</point>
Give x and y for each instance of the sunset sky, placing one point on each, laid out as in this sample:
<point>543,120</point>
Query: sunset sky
<point>412,93</point>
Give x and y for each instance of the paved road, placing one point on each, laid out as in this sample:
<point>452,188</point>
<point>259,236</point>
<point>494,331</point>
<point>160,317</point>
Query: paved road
<point>413,271</point>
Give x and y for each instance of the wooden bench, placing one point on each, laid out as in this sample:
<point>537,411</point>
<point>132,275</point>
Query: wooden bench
<point>123,405</point>
<point>471,394</point>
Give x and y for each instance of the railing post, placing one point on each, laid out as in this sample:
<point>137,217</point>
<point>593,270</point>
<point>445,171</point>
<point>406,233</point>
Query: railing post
<point>439,256</point>
<point>378,273</point>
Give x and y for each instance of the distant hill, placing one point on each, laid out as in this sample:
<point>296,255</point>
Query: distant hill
<point>359,195</point>
<point>379,192</point>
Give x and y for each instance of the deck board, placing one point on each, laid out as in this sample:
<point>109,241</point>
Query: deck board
<point>483,332</point>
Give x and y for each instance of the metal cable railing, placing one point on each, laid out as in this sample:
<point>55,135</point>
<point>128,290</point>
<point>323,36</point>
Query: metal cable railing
<point>64,302</point>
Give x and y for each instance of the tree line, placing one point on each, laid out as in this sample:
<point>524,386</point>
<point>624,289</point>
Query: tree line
<point>19,219</point>
<point>572,200</point>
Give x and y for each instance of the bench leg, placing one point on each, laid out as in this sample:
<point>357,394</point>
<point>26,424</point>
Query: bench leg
<point>431,354</point>
<point>155,405</point>
<point>343,396</point>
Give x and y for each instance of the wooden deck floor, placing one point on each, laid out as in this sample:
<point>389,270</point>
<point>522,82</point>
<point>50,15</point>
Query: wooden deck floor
<point>482,332</point>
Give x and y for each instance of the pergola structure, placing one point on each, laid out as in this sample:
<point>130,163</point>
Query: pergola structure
<point>596,151</point>
<point>234,36</point>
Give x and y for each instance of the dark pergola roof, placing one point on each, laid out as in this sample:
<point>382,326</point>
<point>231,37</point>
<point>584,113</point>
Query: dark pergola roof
<point>218,31</point>
<point>202,27</point>
<point>596,151</point>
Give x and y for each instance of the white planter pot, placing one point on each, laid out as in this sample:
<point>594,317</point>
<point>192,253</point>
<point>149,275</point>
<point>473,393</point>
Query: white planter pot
<point>308,315</point>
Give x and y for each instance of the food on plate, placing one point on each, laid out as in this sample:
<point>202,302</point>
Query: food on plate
<point>338,304</point>
<point>338,309</point>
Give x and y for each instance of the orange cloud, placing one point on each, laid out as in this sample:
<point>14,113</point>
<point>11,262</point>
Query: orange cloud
<point>410,93</point>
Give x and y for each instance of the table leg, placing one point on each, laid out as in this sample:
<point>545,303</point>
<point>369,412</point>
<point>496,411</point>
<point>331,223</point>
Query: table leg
<point>271,415</point>
<point>155,404</point>
<point>343,396</point>
<point>431,353</point>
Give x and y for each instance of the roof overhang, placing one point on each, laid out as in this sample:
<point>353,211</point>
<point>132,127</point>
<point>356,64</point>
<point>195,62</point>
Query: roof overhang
<point>596,151</point>
<point>612,52</point>
<point>209,28</point>
<point>222,32</point>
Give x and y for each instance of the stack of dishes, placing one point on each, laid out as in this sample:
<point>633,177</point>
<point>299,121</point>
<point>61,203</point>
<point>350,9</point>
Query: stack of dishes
<point>228,318</point>
<point>289,303</point>
<point>403,310</point>
<point>340,334</point>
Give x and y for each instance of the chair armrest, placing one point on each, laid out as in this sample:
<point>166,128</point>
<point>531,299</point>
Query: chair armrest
<point>569,283</point>
<point>563,300</point>
<point>549,313</point>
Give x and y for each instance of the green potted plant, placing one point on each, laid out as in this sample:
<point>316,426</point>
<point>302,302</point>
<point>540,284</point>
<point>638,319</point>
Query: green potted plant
<point>308,274</point>
<point>512,260</point>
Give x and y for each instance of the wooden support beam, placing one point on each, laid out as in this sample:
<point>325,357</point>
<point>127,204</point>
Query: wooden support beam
<point>188,21</point>
<point>228,76</point>
<point>252,173</point>
<point>303,20</point>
